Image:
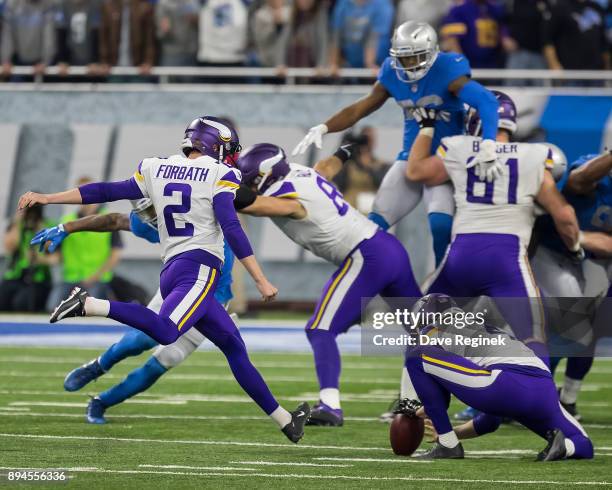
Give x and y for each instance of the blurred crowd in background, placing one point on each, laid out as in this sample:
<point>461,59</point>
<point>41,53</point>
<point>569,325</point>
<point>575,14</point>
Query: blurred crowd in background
<point>323,34</point>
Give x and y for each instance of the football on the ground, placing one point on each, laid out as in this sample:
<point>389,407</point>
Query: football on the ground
<point>406,434</point>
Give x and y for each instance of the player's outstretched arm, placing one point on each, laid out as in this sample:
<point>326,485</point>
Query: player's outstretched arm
<point>584,179</point>
<point>275,206</point>
<point>561,211</point>
<point>422,165</point>
<point>99,222</point>
<point>98,192</point>
<point>330,167</point>
<point>597,242</point>
<point>345,118</point>
<point>223,207</point>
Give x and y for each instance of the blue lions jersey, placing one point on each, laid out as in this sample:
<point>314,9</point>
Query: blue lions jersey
<point>223,293</point>
<point>429,91</point>
<point>593,211</point>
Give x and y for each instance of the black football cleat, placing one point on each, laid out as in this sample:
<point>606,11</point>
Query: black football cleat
<point>442,452</point>
<point>294,430</point>
<point>324,415</point>
<point>555,449</point>
<point>73,305</point>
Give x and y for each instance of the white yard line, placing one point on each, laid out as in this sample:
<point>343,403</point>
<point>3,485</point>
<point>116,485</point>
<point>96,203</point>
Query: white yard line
<point>291,463</point>
<point>286,446</point>
<point>193,363</point>
<point>377,460</point>
<point>207,377</point>
<point>198,468</point>
<point>7,411</point>
<point>294,476</point>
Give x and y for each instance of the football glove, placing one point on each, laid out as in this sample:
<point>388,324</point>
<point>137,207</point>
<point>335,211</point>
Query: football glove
<point>315,135</point>
<point>408,407</point>
<point>345,152</point>
<point>487,165</point>
<point>55,235</point>
<point>426,118</point>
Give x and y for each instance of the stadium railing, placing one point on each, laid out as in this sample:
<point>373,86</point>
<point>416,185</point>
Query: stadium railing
<point>169,75</point>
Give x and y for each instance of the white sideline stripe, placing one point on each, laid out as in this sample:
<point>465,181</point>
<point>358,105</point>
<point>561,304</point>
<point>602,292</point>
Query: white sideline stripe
<point>84,404</point>
<point>207,377</point>
<point>377,460</point>
<point>290,463</point>
<point>202,468</point>
<point>6,411</point>
<point>219,364</point>
<point>335,477</point>
<point>15,409</point>
<point>179,441</point>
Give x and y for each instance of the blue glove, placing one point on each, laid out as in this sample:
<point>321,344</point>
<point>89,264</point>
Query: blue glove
<point>55,235</point>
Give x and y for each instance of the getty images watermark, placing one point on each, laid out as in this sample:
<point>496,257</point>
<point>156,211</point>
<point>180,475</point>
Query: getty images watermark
<point>410,321</point>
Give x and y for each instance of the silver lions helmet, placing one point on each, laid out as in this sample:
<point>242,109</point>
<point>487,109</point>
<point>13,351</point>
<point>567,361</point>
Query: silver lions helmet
<point>414,49</point>
<point>559,161</point>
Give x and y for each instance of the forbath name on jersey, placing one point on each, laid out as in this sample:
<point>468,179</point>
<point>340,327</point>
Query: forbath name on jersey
<point>179,172</point>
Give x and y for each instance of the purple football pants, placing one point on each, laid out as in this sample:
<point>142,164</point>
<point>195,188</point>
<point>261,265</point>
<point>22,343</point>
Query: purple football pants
<point>495,265</point>
<point>379,265</point>
<point>187,285</point>
<point>523,393</point>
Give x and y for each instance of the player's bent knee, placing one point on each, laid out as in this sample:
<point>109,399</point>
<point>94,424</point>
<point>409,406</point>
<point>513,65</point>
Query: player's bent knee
<point>172,355</point>
<point>485,423</point>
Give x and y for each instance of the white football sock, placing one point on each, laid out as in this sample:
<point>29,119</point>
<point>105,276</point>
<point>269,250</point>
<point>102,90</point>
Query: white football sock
<point>331,397</point>
<point>570,390</point>
<point>281,416</point>
<point>449,439</point>
<point>406,388</point>
<point>96,307</point>
<point>570,449</point>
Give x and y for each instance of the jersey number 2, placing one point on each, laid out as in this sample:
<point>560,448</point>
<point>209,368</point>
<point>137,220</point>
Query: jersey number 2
<point>171,209</point>
<point>487,198</point>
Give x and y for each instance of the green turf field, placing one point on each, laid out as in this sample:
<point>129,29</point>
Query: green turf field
<point>196,429</point>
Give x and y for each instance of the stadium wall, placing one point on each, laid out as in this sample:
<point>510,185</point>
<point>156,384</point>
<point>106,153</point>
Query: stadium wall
<point>51,137</point>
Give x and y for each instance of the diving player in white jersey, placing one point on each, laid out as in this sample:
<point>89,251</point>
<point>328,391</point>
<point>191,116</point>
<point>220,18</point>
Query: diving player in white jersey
<point>417,74</point>
<point>312,213</point>
<point>489,370</point>
<point>193,195</point>
<point>494,220</point>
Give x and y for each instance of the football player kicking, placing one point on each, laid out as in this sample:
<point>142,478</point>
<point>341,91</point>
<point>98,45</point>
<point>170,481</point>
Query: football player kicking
<point>587,186</point>
<point>494,220</point>
<point>417,74</point>
<point>193,195</point>
<point>142,222</point>
<point>501,378</point>
<point>312,213</point>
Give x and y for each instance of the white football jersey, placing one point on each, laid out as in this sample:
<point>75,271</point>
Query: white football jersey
<point>182,192</point>
<point>331,228</point>
<point>505,205</point>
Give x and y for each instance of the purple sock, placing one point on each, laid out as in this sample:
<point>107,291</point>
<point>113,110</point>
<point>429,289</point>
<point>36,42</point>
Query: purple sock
<point>246,374</point>
<point>326,357</point>
<point>162,329</point>
<point>485,423</point>
<point>433,396</point>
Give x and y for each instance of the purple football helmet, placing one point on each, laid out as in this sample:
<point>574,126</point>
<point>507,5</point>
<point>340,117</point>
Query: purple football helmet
<point>214,137</point>
<point>431,307</point>
<point>262,165</point>
<point>506,112</point>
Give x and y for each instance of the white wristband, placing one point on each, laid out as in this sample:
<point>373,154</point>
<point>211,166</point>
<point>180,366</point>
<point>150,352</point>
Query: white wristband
<point>427,132</point>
